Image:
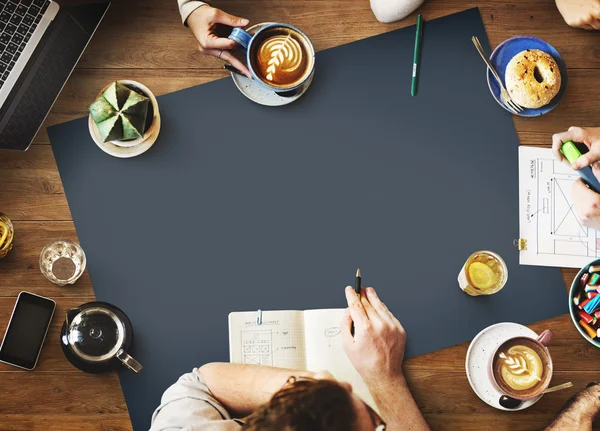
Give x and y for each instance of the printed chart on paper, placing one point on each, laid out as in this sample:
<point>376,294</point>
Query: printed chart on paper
<point>548,220</point>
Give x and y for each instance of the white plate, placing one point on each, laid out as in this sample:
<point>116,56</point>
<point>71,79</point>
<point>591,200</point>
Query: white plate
<point>256,92</point>
<point>478,359</point>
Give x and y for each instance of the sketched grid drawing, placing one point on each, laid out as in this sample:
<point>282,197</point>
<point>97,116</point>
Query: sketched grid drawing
<point>559,230</point>
<point>257,347</point>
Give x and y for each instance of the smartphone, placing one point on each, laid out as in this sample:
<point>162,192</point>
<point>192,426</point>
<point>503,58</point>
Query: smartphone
<point>27,330</point>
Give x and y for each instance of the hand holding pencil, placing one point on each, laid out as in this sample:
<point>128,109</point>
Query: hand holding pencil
<point>376,349</point>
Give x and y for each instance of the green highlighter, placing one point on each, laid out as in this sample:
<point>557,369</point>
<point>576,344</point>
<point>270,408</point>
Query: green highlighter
<point>572,153</point>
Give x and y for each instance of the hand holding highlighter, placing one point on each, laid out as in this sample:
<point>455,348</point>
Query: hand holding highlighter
<point>572,153</point>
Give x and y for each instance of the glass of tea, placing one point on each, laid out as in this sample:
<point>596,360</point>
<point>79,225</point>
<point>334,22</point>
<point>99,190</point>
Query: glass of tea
<point>484,273</point>
<point>62,262</point>
<point>7,233</point>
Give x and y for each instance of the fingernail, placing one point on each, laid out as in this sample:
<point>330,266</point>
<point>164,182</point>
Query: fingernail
<point>245,21</point>
<point>348,287</point>
<point>371,290</point>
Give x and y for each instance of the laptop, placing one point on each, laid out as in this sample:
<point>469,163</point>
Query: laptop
<point>40,44</point>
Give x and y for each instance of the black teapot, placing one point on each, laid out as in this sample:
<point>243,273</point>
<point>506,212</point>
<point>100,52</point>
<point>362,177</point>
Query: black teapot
<point>96,337</point>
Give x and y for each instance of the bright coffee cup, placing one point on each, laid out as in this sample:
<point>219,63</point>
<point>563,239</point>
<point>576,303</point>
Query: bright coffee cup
<point>541,343</point>
<point>277,50</point>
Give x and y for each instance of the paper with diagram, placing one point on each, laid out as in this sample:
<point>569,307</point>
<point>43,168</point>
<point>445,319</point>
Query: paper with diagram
<point>550,231</point>
<point>299,340</point>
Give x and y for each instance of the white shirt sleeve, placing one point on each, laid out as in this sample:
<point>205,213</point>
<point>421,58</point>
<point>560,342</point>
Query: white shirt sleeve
<point>188,405</point>
<point>393,10</point>
<point>186,7</point>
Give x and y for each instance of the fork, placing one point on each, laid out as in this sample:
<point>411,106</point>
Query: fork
<point>504,96</point>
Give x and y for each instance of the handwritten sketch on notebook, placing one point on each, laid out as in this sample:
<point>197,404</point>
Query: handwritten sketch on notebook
<point>332,332</point>
<point>299,340</point>
<point>548,220</point>
<point>257,347</point>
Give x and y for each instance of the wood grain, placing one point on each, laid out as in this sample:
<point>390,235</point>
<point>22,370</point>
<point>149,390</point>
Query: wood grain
<point>144,40</point>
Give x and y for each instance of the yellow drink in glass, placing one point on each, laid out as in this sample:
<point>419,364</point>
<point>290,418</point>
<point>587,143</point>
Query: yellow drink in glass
<point>484,273</point>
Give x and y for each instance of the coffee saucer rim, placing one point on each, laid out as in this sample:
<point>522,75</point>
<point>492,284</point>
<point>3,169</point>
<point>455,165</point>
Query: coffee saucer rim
<point>516,330</point>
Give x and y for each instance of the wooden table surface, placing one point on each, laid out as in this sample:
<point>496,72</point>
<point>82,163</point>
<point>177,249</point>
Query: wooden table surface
<point>144,40</point>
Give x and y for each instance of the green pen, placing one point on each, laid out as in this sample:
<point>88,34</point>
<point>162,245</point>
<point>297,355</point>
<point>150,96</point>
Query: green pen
<point>417,56</point>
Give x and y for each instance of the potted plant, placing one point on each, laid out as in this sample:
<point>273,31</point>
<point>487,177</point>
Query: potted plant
<point>124,120</point>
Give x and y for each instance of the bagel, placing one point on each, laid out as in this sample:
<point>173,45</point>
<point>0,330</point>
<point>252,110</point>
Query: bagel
<point>532,78</point>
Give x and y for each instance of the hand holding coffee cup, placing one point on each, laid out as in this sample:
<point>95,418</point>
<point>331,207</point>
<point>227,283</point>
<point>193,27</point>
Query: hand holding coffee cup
<point>279,56</point>
<point>521,367</point>
<point>207,24</point>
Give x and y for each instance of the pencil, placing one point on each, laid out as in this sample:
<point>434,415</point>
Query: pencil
<point>357,282</point>
<point>230,68</point>
<point>417,56</point>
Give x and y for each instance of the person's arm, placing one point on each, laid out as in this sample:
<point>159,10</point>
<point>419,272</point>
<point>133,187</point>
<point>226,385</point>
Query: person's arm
<point>580,13</point>
<point>377,350</point>
<point>210,26</point>
<point>586,201</point>
<point>186,7</point>
<point>189,404</point>
<point>242,388</point>
<point>579,412</point>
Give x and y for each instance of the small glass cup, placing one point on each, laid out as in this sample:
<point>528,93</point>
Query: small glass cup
<point>62,262</point>
<point>7,233</point>
<point>484,273</point>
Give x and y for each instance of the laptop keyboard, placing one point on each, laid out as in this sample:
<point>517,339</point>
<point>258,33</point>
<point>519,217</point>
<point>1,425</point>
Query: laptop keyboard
<point>18,20</point>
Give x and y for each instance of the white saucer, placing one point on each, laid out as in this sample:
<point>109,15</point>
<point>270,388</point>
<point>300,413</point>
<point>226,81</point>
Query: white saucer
<point>259,94</point>
<point>123,152</point>
<point>478,358</point>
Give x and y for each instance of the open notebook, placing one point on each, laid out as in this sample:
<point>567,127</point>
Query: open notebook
<point>300,340</point>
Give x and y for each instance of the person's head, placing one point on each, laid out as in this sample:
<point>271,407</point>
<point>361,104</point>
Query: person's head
<point>321,404</point>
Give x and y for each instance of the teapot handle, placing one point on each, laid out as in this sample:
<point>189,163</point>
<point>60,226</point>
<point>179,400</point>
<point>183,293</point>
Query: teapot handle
<point>128,361</point>
<point>71,313</point>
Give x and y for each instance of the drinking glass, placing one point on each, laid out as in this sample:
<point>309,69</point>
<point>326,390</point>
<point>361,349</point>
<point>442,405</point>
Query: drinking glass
<point>62,262</point>
<point>6,238</point>
<point>484,273</point>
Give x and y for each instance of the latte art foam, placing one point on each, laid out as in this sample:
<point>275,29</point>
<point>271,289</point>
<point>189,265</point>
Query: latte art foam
<point>521,367</point>
<point>284,55</point>
<point>281,58</point>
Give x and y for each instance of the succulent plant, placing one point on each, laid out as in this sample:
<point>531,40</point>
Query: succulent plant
<point>120,113</point>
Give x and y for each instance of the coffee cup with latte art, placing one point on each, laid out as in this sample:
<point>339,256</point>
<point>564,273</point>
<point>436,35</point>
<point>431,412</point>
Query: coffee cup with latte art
<point>521,367</point>
<point>279,56</point>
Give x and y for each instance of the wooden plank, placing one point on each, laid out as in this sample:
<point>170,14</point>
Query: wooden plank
<point>20,269</point>
<point>66,422</point>
<point>31,187</point>
<point>37,393</point>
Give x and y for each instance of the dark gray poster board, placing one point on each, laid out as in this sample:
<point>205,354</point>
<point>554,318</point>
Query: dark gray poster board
<point>239,206</point>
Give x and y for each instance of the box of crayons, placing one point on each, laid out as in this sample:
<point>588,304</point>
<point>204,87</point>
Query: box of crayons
<point>585,302</point>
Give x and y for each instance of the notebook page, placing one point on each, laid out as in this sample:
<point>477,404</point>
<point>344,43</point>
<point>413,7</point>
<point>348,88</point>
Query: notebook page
<point>324,350</point>
<point>278,341</point>
<point>548,220</point>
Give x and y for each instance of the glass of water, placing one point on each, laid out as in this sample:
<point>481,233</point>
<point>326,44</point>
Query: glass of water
<point>62,262</point>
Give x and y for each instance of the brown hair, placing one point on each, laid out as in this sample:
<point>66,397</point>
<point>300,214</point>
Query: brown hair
<point>305,405</point>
